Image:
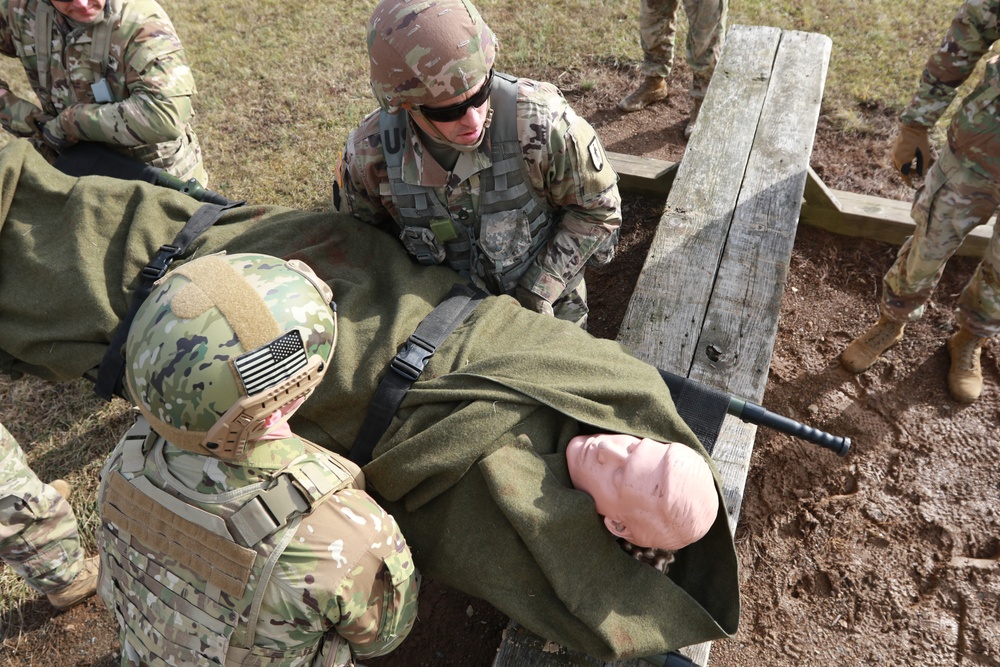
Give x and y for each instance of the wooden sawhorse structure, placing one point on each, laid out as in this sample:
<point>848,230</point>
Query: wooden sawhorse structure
<point>707,301</point>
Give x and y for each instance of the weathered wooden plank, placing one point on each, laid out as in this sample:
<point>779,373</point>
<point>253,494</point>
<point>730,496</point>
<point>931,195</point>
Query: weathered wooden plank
<point>881,219</point>
<point>688,244</point>
<point>837,211</point>
<point>734,349</point>
<point>696,285</point>
<point>643,176</point>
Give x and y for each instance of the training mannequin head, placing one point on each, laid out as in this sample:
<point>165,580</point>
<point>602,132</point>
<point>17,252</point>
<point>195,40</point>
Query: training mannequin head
<point>650,493</point>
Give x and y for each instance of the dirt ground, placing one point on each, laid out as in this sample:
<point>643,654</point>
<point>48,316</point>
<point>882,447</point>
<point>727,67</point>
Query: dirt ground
<point>890,556</point>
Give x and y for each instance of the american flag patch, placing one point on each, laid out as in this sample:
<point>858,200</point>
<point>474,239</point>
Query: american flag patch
<point>265,367</point>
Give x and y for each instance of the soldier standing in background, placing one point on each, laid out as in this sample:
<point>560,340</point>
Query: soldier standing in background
<point>492,176</point>
<point>214,512</point>
<point>658,34</point>
<point>107,71</point>
<point>38,531</point>
<point>961,191</point>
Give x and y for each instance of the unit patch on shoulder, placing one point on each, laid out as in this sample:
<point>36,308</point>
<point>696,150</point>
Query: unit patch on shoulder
<point>596,154</point>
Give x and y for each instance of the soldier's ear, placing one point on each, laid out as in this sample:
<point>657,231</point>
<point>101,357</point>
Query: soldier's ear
<point>617,527</point>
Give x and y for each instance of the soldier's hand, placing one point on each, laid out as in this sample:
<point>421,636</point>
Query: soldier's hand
<point>25,118</point>
<point>532,301</point>
<point>54,137</point>
<point>911,154</point>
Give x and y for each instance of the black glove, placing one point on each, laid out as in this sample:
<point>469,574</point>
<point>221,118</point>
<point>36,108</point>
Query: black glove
<point>912,146</point>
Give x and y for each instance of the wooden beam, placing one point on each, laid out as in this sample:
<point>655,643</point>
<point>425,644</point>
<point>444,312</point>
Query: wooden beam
<point>876,218</point>
<point>737,225</point>
<point>838,211</point>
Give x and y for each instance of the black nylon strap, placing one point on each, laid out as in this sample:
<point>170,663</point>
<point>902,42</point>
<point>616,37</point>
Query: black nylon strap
<point>111,372</point>
<point>700,406</point>
<point>409,363</point>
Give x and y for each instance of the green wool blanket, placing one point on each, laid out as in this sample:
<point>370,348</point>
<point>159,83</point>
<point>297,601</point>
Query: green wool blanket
<point>473,464</point>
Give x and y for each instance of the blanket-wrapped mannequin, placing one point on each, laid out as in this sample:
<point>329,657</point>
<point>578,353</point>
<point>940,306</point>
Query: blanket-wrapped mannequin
<point>473,465</point>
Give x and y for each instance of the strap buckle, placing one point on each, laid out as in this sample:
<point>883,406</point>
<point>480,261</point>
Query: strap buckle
<point>159,265</point>
<point>411,361</point>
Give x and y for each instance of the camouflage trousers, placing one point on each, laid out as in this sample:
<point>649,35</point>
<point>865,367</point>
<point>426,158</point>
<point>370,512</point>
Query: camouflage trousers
<point>572,303</point>
<point>954,200</point>
<point>38,531</point>
<point>706,32</point>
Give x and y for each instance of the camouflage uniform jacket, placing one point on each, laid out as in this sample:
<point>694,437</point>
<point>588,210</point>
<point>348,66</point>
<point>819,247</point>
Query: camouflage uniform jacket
<point>275,559</point>
<point>149,83</point>
<point>561,156</point>
<point>974,133</point>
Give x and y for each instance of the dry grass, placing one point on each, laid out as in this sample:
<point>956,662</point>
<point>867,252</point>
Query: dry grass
<point>282,83</point>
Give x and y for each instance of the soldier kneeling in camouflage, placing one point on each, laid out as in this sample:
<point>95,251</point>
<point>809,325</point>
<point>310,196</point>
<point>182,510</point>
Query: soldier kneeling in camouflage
<point>493,176</point>
<point>225,538</point>
<point>107,71</point>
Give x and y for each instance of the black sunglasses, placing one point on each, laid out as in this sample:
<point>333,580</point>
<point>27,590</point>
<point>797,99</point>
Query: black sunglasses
<point>455,111</point>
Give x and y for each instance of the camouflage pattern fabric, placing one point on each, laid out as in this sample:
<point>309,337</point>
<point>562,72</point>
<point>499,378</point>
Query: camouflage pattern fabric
<point>473,466</point>
<point>974,132</point>
<point>954,200</point>
<point>148,78</point>
<point>962,189</point>
<point>346,570</point>
<point>706,33</point>
<point>38,531</point>
<point>566,167</point>
<point>427,52</point>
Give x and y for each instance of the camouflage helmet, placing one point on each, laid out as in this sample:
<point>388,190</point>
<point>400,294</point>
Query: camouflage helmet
<point>425,52</point>
<point>224,341</point>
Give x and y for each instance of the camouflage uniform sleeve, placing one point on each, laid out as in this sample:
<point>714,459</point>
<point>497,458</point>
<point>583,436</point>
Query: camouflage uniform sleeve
<point>970,35</point>
<point>14,111</point>
<point>375,604</point>
<point>360,173</point>
<point>567,166</point>
<point>159,84</point>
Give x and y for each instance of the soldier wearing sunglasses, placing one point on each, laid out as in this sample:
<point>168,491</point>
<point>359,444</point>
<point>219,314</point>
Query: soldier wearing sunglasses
<point>107,71</point>
<point>493,176</point>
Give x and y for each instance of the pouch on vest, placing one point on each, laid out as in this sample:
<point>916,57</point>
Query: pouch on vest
<point>505,236</point>
<point>422,243</point>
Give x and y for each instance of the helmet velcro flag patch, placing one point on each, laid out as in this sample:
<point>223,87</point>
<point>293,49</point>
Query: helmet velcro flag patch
<point>276,361</point>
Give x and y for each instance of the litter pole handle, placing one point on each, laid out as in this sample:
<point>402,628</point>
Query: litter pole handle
<point>755,414</point>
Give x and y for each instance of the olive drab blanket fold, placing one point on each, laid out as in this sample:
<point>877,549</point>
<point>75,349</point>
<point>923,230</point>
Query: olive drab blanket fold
<point>473,464</point>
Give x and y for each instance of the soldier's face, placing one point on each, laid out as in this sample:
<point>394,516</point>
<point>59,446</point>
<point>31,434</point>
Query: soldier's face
<point>466,130</point>
<point>82,11</point>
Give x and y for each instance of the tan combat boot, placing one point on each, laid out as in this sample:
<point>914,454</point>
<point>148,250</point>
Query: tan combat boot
<point>64,488</point>
<point>81,588</point>
<point>965,377</point>
<point>652,89</point>
<point>869,346</point>
<point>689,128</point>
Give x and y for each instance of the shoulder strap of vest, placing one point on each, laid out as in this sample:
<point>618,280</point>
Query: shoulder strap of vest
<point>504,97</point>
<point>100,44</point>
<point>43,42</point>
<point>392,128</point>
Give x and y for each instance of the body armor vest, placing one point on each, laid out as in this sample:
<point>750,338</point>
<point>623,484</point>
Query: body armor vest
<point>510,225</point>
<point>175,156</point>
<point>187,571</point>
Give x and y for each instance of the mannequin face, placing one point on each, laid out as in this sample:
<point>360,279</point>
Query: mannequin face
<point>651,493</point>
